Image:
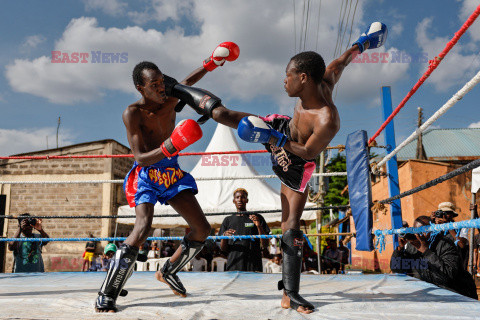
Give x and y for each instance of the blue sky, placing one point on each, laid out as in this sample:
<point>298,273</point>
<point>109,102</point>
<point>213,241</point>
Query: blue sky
<point>178,35</point>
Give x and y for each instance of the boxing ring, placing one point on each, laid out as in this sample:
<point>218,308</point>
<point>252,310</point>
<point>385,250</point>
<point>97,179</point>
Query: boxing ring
<point>231,295</point>
<point>246,295</point>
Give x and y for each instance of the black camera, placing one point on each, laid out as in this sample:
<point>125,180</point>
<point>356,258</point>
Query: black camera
<point>29,221</point>
<point>32,221</point>
<point>439,214</point>
<point>410,236</point>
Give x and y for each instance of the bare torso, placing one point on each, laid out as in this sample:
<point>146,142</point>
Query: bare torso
<point>148,127</point>
<point>306,120</point>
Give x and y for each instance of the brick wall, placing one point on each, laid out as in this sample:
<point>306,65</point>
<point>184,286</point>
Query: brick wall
<point>66,199</point>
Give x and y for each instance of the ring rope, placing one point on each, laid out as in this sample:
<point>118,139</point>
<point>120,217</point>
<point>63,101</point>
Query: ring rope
<point>174,215</point>
<point>435,228</point>
<point>432,65</point>
<point>472,165</point>
<point>327,174</point>
<point>51,157</point>
<point>259,236</point>
<point>450,103</point>
<point>103,156</point>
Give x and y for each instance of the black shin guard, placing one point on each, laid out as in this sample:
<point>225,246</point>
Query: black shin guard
<point>169,270</point>
<point>292,245</point>
<point>120,270</point>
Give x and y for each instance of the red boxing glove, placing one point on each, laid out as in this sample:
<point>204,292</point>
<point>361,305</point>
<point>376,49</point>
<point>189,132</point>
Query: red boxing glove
<point>226,51</point>
<point>185,133</point>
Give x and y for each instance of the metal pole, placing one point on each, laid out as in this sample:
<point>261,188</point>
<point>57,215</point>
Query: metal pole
<point>321,190</point>
<point>392,169</point>
<point>58,127</point>
<point>470,238</point>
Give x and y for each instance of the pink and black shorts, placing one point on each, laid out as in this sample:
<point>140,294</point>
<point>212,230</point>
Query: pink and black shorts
<point>293,171</point>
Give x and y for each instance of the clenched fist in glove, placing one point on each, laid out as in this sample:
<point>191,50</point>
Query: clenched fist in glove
<point>185,133</point>
<point>226,51</point>
<point>375,36</point>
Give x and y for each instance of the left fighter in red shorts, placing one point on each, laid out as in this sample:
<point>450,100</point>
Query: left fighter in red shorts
<point>156,175</point>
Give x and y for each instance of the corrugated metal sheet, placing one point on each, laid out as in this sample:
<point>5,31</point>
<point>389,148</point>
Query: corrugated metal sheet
<point>445,143</point>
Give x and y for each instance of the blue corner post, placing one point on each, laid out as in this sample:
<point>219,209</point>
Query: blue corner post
<point>392,168</point>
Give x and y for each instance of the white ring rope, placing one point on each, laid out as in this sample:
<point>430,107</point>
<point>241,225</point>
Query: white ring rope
<point>328,174</point>
<point>450,103</point>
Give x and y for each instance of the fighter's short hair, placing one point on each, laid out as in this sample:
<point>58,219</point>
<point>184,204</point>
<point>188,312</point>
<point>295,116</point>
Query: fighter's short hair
<point>311,63</point>
<point>137,71</point>
<point>240,190</point>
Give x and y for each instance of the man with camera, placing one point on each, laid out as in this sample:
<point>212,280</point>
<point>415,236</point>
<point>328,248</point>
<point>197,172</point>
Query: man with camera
<point>433,259</point>
<point>445,214</point>
<point>28,254</point>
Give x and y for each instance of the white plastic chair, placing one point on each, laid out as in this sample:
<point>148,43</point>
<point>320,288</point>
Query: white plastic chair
<point>140,266</point>
<point>220,263</point>
<point>265,261</point>
<point>162,262</point>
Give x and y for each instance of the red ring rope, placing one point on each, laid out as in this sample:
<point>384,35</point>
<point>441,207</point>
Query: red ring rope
<point>432,65</point>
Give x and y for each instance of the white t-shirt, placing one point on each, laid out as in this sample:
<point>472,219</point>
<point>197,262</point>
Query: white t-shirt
<point>273,246</point>
<point>275,268</point>
<point>197,264</point>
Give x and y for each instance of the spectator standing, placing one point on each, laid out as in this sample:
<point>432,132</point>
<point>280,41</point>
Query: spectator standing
<point>28,254</point>
<point>90,248</point>
<point>243,254</point>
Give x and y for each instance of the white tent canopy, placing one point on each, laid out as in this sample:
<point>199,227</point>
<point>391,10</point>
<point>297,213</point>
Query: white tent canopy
<point>217,196</point>
<point>475,180</point>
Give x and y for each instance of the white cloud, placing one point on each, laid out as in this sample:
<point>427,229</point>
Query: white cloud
<point>28,140</point>
<point>31,42</point>
<point>396,30</point>
<point>474,125</point>
<point>468,7</point>
<point>266,41</point>
<point>456,68</point>
<point>110,7</point>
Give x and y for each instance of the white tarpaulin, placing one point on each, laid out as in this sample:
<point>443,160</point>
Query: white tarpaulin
<point>217,196</point>
<point>475,180</point>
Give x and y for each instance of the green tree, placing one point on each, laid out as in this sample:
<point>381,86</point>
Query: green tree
<point>337,184</point>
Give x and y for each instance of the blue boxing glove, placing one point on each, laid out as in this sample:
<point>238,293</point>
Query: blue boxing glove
<point>254,129</point>
<point>376,34</point>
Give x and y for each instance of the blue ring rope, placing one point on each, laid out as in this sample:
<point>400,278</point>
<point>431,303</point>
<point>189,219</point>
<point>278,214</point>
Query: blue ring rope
<point>434,228</point>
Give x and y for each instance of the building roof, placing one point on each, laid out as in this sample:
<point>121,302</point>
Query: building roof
<point>446,144</point>
<point>66,148</point>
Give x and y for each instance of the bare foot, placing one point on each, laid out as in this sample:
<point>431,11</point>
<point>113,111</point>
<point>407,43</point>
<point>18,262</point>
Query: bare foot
<point>159,277</point>
<point>286,305</point>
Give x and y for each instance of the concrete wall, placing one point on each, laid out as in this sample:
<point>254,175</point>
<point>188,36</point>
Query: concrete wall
<point>412,174</point>
<point>66,199</point>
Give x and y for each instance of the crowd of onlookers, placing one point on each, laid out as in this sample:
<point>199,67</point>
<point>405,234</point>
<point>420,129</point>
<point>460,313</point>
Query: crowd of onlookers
<point>439,258</point>
<point>224,255</point>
